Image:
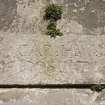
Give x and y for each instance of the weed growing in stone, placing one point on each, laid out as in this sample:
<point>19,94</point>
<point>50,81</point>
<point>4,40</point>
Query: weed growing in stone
<point>97,88</point>
<point>52,31</point>
<point>53,13</point>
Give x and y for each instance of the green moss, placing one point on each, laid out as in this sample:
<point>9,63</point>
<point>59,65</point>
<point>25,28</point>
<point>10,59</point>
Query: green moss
<point>51,25</point>
<point>97,88</point>
<point>53,12</point>
<point>54,32</point>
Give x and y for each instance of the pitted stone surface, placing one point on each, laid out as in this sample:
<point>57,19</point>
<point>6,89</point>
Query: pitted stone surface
<point>28,56</point>
<point>8,11</point>
<point>35,58</point>
<point>50,97</point>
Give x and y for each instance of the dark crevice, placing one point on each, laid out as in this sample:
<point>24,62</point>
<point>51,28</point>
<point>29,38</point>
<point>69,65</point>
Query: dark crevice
<point>93,87</point>
<point>50,86</point>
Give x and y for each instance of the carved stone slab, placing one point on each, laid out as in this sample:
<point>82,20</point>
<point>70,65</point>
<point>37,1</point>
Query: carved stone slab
<point>35,58</point>
<point>28,56</point>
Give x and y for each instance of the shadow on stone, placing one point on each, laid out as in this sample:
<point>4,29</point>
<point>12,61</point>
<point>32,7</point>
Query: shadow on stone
<point>8,9</point>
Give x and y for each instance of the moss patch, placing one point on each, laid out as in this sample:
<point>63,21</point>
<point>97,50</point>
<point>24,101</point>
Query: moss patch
<point>97,88</point>
<point>53,13</point>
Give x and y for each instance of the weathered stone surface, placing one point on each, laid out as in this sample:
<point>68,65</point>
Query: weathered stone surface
<point>8,10</point>
<point>35,58</point>
<point>28,56</point>
<point>50,97</point>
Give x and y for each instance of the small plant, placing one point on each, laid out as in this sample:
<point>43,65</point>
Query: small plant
<point>54,32</point>
<point>97,88</point>
<point>51,26</point>
<point>53,13</point>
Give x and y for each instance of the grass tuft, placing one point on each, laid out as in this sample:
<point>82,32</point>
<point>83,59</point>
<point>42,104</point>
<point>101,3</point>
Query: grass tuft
<point>53,13</point>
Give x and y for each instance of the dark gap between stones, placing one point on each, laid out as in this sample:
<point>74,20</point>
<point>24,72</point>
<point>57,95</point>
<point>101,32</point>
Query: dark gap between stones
<point>51,86</point>
<point>93,87</point>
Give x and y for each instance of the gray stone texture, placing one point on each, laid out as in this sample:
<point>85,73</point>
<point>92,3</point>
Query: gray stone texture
<point>28,56</point>
<point>8,10</point>
<point>51,97</point>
